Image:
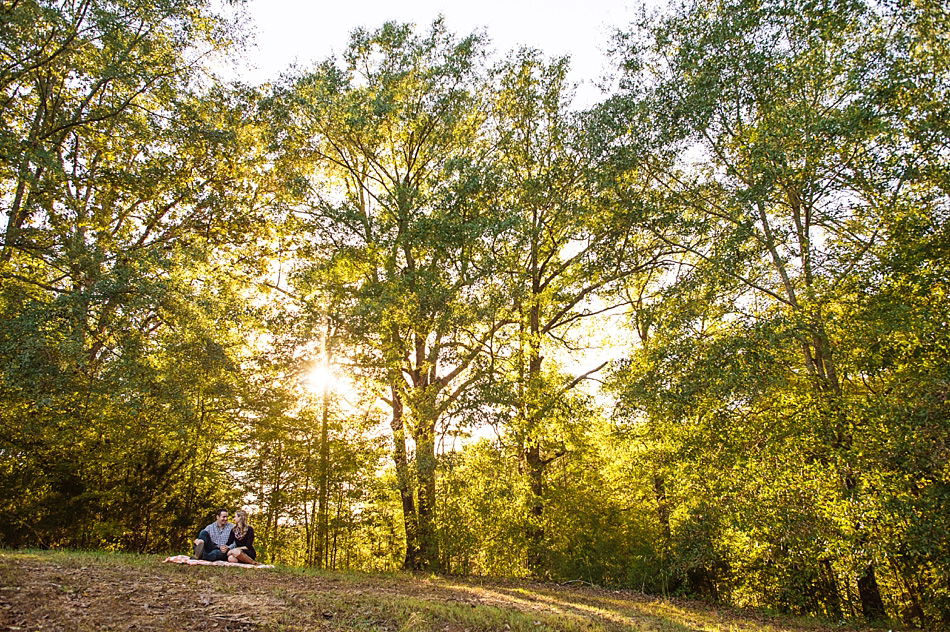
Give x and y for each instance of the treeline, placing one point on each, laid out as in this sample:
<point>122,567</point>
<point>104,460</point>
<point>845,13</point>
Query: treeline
<point>755,218</point>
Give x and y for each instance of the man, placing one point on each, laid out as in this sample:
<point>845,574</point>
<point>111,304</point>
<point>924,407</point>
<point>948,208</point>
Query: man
<point>212,543</point>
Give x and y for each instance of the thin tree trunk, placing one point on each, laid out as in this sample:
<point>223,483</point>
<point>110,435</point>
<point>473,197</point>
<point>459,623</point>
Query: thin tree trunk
<point>663,511</point>
<point>819,361</point>
<point>833,596</point>
<point>323,496</point>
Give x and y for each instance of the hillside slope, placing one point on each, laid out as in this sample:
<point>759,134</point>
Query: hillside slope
<point>86,591</point>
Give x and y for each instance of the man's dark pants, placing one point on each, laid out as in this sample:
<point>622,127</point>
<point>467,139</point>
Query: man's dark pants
<point>211,551</point>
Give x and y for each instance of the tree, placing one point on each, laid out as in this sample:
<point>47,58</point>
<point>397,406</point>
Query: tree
<point>126,188</point>
<point>791,109</point>
<point>398,132</point>
<point>564,254</point>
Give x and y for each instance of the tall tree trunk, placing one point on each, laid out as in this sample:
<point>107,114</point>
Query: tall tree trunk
<point>411,559</point>
<point>534,462</point>
<point>425,472</point>
<point>535,531</point>
<point>914,613</point>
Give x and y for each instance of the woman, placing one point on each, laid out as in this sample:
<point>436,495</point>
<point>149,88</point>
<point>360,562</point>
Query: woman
<point>242,537</point>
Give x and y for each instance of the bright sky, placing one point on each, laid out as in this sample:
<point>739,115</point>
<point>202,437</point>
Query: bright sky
<point>305,31</point>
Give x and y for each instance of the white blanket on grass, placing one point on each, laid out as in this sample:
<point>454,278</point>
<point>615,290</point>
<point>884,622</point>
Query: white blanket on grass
<point>184,559</point>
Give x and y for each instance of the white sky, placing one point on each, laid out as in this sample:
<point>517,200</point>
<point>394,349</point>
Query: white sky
<point>306,32</point>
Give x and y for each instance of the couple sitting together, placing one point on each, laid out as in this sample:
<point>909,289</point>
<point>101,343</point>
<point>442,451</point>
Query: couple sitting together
<point>223,541</point>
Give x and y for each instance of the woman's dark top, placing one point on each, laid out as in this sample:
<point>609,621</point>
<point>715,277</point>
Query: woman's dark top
<point>247,541</point>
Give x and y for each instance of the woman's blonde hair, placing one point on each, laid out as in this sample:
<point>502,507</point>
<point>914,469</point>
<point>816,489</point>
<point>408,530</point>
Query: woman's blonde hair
<point>240,523</point>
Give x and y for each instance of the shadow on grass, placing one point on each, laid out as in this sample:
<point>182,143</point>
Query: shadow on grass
<point>414,604</point>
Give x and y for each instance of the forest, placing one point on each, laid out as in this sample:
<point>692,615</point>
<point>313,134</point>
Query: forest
<point>415,310</point>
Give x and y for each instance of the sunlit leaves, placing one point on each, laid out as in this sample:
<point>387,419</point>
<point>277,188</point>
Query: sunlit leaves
<point>790,168</point>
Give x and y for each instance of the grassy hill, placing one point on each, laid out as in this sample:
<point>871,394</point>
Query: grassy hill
<point>101,591</point>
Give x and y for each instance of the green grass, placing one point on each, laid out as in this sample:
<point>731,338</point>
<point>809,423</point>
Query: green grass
<point>293,598</point>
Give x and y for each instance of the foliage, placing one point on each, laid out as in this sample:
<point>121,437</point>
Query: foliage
<point>118,350</point>
<point>809,170</point>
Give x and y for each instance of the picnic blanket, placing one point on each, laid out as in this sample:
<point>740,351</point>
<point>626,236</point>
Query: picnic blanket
<point>184,559</point>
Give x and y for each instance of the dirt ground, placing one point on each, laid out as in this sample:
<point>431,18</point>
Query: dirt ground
<point>70,591</point>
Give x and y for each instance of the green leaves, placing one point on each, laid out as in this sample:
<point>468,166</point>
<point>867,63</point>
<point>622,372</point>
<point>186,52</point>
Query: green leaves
<point>122,330</point>
<point>785,173</point>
